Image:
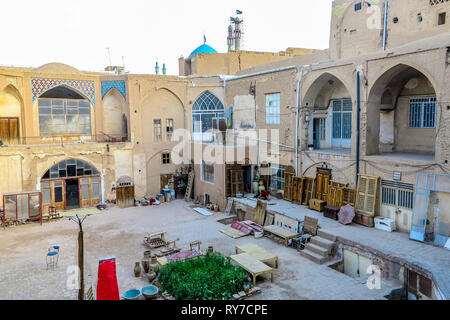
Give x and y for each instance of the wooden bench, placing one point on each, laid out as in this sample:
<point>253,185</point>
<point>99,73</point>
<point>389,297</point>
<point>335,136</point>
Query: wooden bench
<point>257,252</point>
<point>284,227</point>
<point>252,265</point>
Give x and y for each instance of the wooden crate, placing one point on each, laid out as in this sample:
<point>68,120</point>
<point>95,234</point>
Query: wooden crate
<point>331,212</point>
<point>317,204</point>
<point>364,219</point>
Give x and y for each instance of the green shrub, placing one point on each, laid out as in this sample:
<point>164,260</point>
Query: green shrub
<point>210,277</point>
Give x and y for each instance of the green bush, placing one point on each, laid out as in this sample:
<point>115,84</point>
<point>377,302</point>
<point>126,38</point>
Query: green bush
<point>210,277</point>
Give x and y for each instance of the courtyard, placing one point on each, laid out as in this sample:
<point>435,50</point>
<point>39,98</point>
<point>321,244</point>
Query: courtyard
<point>120,233</point>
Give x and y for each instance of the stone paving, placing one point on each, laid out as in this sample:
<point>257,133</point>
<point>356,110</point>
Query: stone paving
<point>119,232</point>
<point>432,259</point>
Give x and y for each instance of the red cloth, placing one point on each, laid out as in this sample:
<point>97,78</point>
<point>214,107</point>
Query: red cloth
<point>107,287</point>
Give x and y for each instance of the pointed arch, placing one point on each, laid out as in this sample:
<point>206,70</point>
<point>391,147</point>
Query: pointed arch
<point>205,108</point>
<point>403,109</point>
<point>39,86</point>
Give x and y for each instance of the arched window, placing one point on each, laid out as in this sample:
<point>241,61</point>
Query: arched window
<point>63,111</point>
<point>70,168</point>
<point>205,108</point>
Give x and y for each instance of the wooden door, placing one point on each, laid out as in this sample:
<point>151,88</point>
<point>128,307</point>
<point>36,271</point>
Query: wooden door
<point>237,180</point>
<point>9,130</point>
<point>125,196</point>
<point>297,188</point>
<point>308,185</point>
<point>323,178</point>
<point>90,193</point>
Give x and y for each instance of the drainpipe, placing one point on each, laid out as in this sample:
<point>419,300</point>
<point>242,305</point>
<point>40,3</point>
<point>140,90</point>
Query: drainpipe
<point>358,122</point>
<point>296,123</point>
<point>386,5</point>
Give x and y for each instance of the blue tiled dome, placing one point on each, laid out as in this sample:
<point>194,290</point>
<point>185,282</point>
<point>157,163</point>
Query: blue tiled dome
<point>204,48</point>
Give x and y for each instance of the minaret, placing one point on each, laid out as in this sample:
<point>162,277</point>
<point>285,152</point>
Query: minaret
<point>164,70</point>
<point>230,38</point>
<point>156,68</point>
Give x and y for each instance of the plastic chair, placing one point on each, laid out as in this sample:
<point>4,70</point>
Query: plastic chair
<point>52,257</point>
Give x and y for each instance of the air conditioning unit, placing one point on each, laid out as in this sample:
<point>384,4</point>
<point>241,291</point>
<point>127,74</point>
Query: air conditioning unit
<point>385,224</point>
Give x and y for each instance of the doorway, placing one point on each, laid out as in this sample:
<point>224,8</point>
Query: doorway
<point>248,179</point>
<point>72,194</point>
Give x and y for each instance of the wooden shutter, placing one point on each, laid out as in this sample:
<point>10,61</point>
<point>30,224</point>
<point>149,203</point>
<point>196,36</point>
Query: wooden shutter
<point>366,194</point>
<point>9,130</point>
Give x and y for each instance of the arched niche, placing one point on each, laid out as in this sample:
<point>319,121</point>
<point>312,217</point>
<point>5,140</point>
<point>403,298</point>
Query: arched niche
<point>402,112</point>
<point>11,115</point>
<point>115,122</point>
<point>328,106</point>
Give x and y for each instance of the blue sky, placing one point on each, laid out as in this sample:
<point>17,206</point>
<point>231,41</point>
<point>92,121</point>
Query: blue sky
<point>78,32</point>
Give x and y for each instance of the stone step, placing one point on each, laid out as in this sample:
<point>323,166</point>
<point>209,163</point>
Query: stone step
<point>314,257</point>
<point>324,234</point>
<point>318,250</point>
<point>322,242</point>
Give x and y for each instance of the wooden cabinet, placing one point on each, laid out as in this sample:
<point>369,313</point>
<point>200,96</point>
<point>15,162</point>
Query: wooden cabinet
<point>237,180</point>
<point>297,190</point>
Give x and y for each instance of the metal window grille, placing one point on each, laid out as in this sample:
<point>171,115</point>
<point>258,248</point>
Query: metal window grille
<point>205,108</point>
<point>273,108</point>
<point>397,194</point>
<point>422,112</point>
<point>322,129</point>
<point>342,119</point>
<point>358,6</point>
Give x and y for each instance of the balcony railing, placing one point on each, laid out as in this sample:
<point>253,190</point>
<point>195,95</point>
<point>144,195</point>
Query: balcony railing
<point>62,140</point>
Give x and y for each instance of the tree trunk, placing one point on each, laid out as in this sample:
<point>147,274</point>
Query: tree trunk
<point>81,265</point>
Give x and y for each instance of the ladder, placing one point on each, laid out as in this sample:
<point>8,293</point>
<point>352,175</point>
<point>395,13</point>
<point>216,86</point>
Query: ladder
<point>188,193</point>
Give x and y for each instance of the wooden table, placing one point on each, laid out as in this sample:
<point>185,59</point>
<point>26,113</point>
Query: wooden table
<point>252,265</point>
<point>257,252</point>
<point>282,233</point>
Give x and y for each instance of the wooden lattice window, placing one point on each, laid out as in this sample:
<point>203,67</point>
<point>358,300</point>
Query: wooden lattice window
<point>366,194</point>
<point>335,196</point>
<point>348,197</point>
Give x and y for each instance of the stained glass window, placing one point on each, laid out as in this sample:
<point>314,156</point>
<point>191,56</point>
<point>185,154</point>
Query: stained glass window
<point>205,108</point>
<point>70,168</point>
